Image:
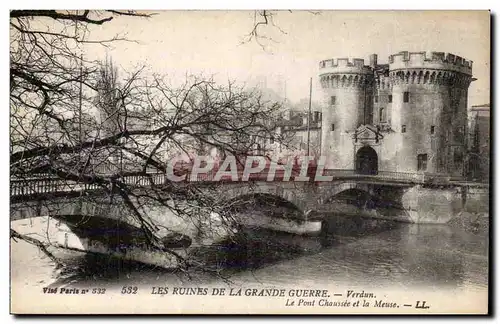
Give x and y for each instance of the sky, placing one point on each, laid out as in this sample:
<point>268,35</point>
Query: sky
<point>177,43</point>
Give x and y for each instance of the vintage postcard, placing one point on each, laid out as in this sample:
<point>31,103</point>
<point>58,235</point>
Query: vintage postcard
<point>249,162</point>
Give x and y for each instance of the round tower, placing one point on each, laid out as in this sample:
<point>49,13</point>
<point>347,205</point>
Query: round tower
<point>347,103</point>
<point>427,111</point>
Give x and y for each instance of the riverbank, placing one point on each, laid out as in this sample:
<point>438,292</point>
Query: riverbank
<point>30,267</point>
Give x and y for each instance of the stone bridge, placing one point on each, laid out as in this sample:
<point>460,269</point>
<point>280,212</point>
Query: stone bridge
<point>310,202</point>
<point>99,226</point>
<point>296,206</point>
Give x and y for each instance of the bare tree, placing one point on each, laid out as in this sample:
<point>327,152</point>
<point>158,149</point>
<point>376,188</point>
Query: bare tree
<point>264,24</point>
<point>80,122</point>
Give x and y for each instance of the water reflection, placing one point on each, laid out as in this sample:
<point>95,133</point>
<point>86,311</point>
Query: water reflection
<point>391,255</point>
<point>350,250</point>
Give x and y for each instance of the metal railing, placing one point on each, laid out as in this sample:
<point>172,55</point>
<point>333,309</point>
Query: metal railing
<point>380,175</point>
<point>44,183</point>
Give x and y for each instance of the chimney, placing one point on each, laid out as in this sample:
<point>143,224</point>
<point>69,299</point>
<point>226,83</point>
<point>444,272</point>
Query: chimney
<point>373,60</point>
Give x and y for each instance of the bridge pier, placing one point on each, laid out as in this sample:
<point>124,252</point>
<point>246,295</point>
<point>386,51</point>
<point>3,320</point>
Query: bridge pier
<point>293,226</point>
<point>431,205</point>
<point>414,204</point>
<point>442,204</point>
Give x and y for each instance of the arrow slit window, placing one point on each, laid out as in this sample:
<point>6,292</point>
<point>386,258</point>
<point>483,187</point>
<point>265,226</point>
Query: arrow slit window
<point>406,96</point>
<point>381,115</point>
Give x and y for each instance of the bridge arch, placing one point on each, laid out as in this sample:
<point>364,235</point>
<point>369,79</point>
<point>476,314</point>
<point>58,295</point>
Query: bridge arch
<point>275,206</point>
<point>355,197</point>
<point>331,191</point>
<point>265,194</point>
<point>257,199</point>
<point>364,199</point>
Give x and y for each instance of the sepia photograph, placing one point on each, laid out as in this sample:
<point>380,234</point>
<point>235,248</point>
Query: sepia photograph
<point>250,162</point>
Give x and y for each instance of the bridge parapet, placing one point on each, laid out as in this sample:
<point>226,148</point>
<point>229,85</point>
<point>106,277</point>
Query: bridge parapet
<point>36,186</point>
<point>407,177</point>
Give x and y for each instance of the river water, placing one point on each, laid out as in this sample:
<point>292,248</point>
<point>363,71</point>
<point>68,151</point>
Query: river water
<point>352,251</point>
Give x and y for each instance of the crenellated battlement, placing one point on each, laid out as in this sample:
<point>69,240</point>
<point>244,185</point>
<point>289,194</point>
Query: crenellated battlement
<point>430,60</point>
<point>344,65</point>
<point>342,62</point>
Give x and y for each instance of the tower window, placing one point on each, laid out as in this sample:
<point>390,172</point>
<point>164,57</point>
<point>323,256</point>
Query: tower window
<point>332,127</point>
<point>432,130</point>
<point>381,115</point>
<point>406,96</point>
<point>422,162</point>
<point>458,157</point>
<point>333,100</point>
<point>390,98</point>
<point>376,98</point>
<point>271,140</point>
<point>403,128</point>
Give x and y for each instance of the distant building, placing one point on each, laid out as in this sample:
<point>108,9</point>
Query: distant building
<point>409,115</point>
<point>479,143</point>
<point>294,131</point>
